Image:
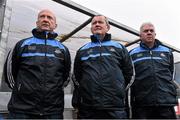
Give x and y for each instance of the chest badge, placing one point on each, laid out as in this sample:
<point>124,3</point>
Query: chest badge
<point>112,49</point>
<point>57,51</point>
<point>89,51</point>
<point>162,55</point>
<point>139,55</point>
<point>31,47</point>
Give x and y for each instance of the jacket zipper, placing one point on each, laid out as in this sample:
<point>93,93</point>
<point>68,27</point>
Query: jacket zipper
<point>100,61</point>
<point>44,80</point>
<point>151,54</point>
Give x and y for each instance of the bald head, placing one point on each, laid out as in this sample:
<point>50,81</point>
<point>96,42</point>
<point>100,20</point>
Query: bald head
<point>47,11</point>
<point>46,21</point>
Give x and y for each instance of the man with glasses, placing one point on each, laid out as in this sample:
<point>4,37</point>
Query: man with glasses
<point>153,93</point>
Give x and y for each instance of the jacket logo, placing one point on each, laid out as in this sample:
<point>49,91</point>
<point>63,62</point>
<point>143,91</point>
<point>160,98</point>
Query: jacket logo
<point>112,49</point>
<point>89,51</point>
<point>162,55</point>
<point>57,51</point>
<point>31,47</point>
<point>58,54</point>
<point>139,55</point>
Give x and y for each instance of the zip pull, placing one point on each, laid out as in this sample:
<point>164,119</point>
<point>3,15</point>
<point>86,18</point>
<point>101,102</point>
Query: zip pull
<point>99,39</point>
<point>150,52</point>
<point>19,87</point>
<point>47,35</point>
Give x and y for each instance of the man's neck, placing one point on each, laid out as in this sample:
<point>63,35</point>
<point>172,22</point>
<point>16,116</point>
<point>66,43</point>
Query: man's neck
<point>100,37</point>
<point>150,45</point>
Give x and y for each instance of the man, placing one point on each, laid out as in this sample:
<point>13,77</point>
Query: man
<point>153,92</point>
<point>40,67</point>
<point>102,70</point>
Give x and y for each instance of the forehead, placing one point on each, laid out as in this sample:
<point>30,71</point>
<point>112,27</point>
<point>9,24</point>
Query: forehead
<point>148,26</point>
<point>98,18</point>
<point>46,12</point>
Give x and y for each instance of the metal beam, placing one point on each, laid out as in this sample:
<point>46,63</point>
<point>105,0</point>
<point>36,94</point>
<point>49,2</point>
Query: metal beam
<point>123,27</point>
<point>2,10</point>
<point>165,44</point>
<point>131,43</point>
<point>171,47</point>
<point>91,13</point>
<point>77,7</point>
<point>114,23</point>
<point>76,30</point>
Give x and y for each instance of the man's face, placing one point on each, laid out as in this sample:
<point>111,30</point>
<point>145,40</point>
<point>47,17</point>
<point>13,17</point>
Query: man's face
<point>46,21</point>
<point>147,34</point>
<point>99,25</point>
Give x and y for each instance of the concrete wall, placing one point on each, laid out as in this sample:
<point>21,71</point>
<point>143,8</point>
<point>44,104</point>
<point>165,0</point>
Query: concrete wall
<point>5,21</point>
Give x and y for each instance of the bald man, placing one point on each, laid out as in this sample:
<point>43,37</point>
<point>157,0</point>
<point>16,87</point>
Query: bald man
<point>36,70</point>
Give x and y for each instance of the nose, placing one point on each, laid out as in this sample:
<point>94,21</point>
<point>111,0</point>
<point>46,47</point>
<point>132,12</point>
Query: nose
<point>149,31</point>
<point>96,23</point>
<point>45,18</point>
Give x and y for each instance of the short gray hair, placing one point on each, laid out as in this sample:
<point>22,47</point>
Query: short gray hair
<point>106,19</point>
<point>146,23</point>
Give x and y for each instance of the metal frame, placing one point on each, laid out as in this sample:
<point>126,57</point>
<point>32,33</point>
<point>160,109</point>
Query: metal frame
<point>91,13</point>
<point>2,11</point>
<point>79,8</point>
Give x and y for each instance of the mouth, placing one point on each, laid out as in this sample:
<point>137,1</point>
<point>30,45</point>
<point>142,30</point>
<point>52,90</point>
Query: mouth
<point>45,25</point>
<point>97,28</point>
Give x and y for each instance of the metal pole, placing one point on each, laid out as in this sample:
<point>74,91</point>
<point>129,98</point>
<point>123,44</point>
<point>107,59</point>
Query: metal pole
<point>76,30</point>
<point>2,10</point>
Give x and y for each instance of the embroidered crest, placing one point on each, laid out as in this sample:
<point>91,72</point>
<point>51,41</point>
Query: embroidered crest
<point>31,47</point>
<point>57,51</point>
<point>139,55</point>
<point>112,49</point>
<point>89,51</point>
<point>58,54</point>
<point>162,55</point>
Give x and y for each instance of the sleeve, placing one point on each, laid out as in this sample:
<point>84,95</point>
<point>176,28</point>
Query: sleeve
<point>172,63</point>
<point>77,67</point>
<point>76,77</point>
<point>127,67</point>
<point>7,73</point>
<point>67,62</point>
<point>11,67</point>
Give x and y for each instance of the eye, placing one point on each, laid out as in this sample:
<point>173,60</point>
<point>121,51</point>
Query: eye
<point>50,17</point>
<point>42,16</point>
<point>146,31</point>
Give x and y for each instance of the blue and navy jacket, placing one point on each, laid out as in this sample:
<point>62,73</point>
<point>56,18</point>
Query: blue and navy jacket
<point>154,67</point>
<point>36,70</point>
<point>102,70</point>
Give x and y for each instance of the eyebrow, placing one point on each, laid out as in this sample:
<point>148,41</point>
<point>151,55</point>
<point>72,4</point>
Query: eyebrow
<point>146,30</point>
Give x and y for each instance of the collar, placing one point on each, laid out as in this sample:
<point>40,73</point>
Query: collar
<point>42,35</point>
<point>94,38</point>
<point>156,44</point>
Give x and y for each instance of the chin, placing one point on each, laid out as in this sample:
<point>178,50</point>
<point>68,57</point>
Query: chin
<point>99,33</point>
<point>45,29</point>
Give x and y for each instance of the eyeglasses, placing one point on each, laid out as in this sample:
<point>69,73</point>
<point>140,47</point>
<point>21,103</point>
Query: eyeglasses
<point>146,31</point>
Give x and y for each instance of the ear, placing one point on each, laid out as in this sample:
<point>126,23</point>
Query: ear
<point>55,26</point>
<point>37,23</point>
<point>108,27</point>
<point>140,34</point>
<point>91,30</point>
